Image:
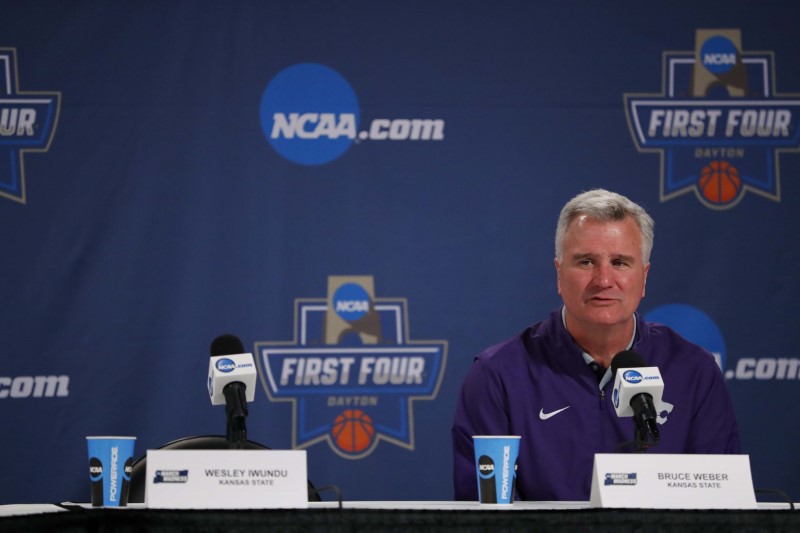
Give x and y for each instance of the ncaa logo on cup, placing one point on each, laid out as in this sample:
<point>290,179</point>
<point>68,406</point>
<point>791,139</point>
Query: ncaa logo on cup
<point>632,376</point>
<point>486,465</point>
<point>226,365</point>
<point>95,469</point>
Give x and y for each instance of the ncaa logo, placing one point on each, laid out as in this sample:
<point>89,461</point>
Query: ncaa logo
<point>225,365</point>
<point>351,302</point>
<point>95,469</point>
<point>632,376</point>
<point>719,55</point>
<point>694,325</point>
<point>486,466</point>
<point>310,115</point>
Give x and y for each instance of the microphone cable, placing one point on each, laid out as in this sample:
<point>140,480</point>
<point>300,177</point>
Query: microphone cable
<point>634,444</point>
<point>326,488</point>
<point>782,495</point>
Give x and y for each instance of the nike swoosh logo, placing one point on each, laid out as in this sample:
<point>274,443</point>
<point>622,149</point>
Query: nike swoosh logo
<point>545,416</point>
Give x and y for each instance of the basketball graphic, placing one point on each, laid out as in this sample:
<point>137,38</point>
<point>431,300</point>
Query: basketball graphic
<point>353,431</point>
<point>719,182</point>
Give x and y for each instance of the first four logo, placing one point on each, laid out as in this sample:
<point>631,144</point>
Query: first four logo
<point>718,124</point>
<point>27,124</point>
<point>352,374</point>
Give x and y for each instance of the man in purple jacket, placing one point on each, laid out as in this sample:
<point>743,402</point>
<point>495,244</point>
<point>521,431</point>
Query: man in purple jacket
<point>552,383</point>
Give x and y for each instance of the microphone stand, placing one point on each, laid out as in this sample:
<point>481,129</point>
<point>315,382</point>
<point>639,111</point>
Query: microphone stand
<point>645,418</point>
<point>236,411</point>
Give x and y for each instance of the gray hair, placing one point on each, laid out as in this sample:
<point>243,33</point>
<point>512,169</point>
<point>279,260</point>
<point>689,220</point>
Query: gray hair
<point>599,204</point>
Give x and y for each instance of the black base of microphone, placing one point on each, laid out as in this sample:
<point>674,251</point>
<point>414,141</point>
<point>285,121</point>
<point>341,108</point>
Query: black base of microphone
<point>644,416</point>
<point>236,433</point>
<point>642,440</point>
<point>236,412</point>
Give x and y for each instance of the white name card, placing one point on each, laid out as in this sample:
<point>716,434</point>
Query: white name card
<point>662,481</point>
<point>226,479</point>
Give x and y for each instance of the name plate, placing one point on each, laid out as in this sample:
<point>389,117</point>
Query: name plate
<point>226,479</point>
<point>663,481</point>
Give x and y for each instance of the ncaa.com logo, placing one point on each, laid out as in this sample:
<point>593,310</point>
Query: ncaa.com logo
<point>632,376</point>
<point>34,387</point>
<point>226,365</point>
<point>310,115</point>
<point>697,327</point>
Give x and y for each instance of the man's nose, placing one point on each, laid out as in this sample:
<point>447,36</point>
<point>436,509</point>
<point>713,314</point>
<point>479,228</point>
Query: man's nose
<point>603,274</point>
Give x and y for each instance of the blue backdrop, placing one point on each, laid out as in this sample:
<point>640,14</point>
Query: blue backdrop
<point>170,171</point>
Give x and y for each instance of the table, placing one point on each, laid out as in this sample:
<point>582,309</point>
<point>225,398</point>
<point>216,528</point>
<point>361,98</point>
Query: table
<point>394,516</point>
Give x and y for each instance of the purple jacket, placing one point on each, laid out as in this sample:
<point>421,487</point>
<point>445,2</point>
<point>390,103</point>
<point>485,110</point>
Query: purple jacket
<point>512,387</point>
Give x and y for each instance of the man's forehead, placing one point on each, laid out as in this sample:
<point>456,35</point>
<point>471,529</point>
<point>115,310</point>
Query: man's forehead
<point>584,222</point>
<point>584,218</point>
<point>614,238</point>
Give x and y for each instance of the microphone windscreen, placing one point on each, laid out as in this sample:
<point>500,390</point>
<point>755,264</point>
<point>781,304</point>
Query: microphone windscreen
<point>226,344</point>
<point>627,359</point>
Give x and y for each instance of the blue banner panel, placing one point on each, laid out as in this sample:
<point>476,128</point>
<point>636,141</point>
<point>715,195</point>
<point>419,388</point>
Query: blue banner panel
<point>366,194</point>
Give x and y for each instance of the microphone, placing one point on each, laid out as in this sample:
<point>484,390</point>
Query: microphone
<point>232,381</point>
<point>637,392</point>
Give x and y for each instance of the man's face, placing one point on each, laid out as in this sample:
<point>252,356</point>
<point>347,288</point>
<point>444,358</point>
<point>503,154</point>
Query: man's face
<point>601,277</point>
